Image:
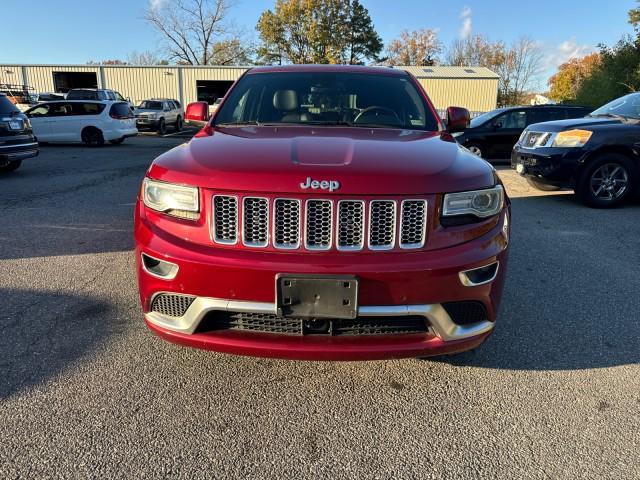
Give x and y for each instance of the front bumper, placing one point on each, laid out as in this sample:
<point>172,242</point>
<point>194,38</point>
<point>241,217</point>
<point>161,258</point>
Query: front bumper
<point>554,166</point>
<point>392,284</point>
<point>143,123</point>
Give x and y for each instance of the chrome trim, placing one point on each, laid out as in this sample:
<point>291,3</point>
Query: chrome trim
<point>171,276</point>
<point>411,246</point>
<point>213,220</point>
<point>318,249</point>
<point>354,248</point>
<point>466,281</point>
<point>394,233</point>
<point>439,320</point>
<point>20,145</point>
<point>273,224</point>
<point>255,245</point>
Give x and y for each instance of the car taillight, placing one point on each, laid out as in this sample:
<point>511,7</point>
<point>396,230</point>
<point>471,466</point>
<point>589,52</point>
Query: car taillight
<point>205,131</point>
<point>120,117</point>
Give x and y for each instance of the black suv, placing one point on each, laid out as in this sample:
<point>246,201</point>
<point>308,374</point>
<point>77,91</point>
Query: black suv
<point>16,137</point>
<point>597,156</point>
<point>492,135</point>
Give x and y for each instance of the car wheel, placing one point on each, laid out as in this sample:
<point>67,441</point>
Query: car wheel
<point>162,127</point>
<point>92,137</point>
<point>178,125</point>
<point>541,186</point>
<point>606,182</point>
<point>11,166</point>
<point>475,149</point>
<point>117,141</point>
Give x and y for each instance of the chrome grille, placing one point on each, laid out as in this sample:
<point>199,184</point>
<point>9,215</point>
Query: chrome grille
<point>225,219</point>
<point>171,305</point>
<point>286,222</point>
<point>255,217</point>
<point>350,225</point>
<point>318,224</point>
<point>382,224</point>
<point>413,226</point>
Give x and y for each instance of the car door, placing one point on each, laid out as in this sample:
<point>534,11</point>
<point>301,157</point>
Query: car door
<point>505,131</point>
<point>40,121</point>
<point>63,123</point>
<point>169,113</point>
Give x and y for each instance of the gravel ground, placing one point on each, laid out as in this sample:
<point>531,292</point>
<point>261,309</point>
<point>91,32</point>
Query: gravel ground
<point>87,392</point>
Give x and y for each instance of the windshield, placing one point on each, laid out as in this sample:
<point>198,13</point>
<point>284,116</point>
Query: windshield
<point>322,98</point>
<point>485,117</point>
<point>151,105</point>
<point>627,106</point>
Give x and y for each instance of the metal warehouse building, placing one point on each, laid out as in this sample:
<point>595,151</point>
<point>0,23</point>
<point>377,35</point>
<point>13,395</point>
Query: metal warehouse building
<point>474,88</point>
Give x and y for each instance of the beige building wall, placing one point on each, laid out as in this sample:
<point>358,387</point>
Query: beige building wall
<point>12,74</point>
<point>40,77</point>
<point>476,95</point>
<point>140,83</point>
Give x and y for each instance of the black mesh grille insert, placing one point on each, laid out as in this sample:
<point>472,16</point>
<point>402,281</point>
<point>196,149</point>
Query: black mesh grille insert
<point>464,313</point>
<point>171,305</point>
<point>270,323</point>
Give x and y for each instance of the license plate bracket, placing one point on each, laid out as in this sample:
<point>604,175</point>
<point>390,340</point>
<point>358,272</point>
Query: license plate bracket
<point>317,296</point>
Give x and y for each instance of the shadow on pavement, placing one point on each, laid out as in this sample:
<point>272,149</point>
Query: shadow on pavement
<point>44,333</point>
<point>571,297</point>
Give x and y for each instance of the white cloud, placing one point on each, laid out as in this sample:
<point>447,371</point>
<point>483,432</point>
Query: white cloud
<point>465,15</point>
<point>567,50</point>
<point>156,4</point>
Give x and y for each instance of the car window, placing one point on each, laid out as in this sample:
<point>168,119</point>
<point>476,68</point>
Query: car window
<point>87,108</point>
<point>60,109</point>
<point>119,97</point>
<point>540,115</point>
<point>514,119</point>
<point>150,105</point>
<point>178,104</point>
<point>328,98</point>
<point>83,95</point>
<point>39,111</point>
<point>121,110</point>
<point>165,106</point>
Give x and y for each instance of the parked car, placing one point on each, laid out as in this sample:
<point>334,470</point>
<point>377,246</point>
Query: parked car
<point>50,97</point>
<point>90,122</point>
<point>596,156</point>
<point>17,141</point>
<point>323,213</point>
<point>493,134</point>
<point>157,113</point>
<point>97,94</point>
<point>214,106</point>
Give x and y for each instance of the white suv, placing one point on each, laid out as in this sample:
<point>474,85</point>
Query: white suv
<point>90,122</point>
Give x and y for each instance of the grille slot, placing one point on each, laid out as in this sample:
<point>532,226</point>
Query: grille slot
<point>318,225</point>
<point>350,225</point>
<point>286,222</point>
<point>271,323</point>
<point>255,218</point>
<point>382,224</point>
<point>171,305</point>
<point>413,226</point>
<point>225,219</point>
<point>464,313</point>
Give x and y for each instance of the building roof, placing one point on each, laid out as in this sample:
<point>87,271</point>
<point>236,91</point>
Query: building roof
<point>450,72</point>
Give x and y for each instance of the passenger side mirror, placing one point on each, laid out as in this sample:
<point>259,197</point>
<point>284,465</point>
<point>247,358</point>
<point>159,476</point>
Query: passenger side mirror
<point>458,119</point>
<point>197,114</point>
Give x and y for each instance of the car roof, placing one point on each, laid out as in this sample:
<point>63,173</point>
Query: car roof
<point>106,102</point>
<point>329,69</point>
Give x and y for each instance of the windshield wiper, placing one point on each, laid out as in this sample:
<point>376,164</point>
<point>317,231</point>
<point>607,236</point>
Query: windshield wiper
<point>611,115</point>
<point>239,124</point>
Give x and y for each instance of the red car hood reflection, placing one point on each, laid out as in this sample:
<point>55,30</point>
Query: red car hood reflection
<point>363,161</point>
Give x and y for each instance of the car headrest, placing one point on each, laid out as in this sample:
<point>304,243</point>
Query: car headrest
<point>286,100</point>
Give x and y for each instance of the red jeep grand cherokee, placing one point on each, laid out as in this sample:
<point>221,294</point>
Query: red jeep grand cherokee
<point>324,213</point>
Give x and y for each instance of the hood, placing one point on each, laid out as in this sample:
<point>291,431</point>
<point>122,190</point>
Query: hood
<point>586,122</point>
<point>139,111</point>
<point>362,161</point>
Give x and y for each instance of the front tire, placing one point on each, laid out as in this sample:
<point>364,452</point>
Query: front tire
<point>162,127</point>
<point>476,149</point>
<point>178,125</point>
<point>11,166</point>
<point>607,182</point>
<point>542,186</point>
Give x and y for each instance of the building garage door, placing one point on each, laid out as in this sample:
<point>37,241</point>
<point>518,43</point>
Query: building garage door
<point>65,81</point>
<point>210,90</point>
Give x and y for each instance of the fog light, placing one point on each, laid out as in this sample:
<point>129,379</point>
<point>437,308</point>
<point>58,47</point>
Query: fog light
<point>479,276</point>
<point>159,268</point>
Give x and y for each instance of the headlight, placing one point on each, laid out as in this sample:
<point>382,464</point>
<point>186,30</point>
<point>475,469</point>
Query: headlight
<point>481,203</point>
<point>572,138</point>
<point>152,115</point>
<point>176,200</point>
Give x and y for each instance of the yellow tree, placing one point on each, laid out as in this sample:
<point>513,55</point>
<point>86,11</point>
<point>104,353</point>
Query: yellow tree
<point>419,47</point>
<point>565,84</point>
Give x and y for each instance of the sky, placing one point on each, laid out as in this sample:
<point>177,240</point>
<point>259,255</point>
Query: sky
<point>75,32</point>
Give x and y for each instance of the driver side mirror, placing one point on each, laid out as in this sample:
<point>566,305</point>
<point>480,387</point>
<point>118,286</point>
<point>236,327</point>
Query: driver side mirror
<point>197,113</point>
<point>458,119</point>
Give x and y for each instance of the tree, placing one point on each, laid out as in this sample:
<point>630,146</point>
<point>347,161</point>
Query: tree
<point>195,31</point>
<point>419,47</point>
<point>475,51</point>
<point>145,58</point>
<point>565,84</point>
<point>317,31</point>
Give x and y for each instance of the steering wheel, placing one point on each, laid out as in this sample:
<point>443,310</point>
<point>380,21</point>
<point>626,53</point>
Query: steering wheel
<point>376,108</point>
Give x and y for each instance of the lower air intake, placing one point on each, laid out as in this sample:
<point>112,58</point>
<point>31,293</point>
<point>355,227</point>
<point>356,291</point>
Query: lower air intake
<point>171,305</point>
<point>465,313</point>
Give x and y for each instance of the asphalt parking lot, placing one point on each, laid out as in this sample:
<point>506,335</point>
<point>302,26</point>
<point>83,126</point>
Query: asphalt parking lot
<point>87,392</point>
